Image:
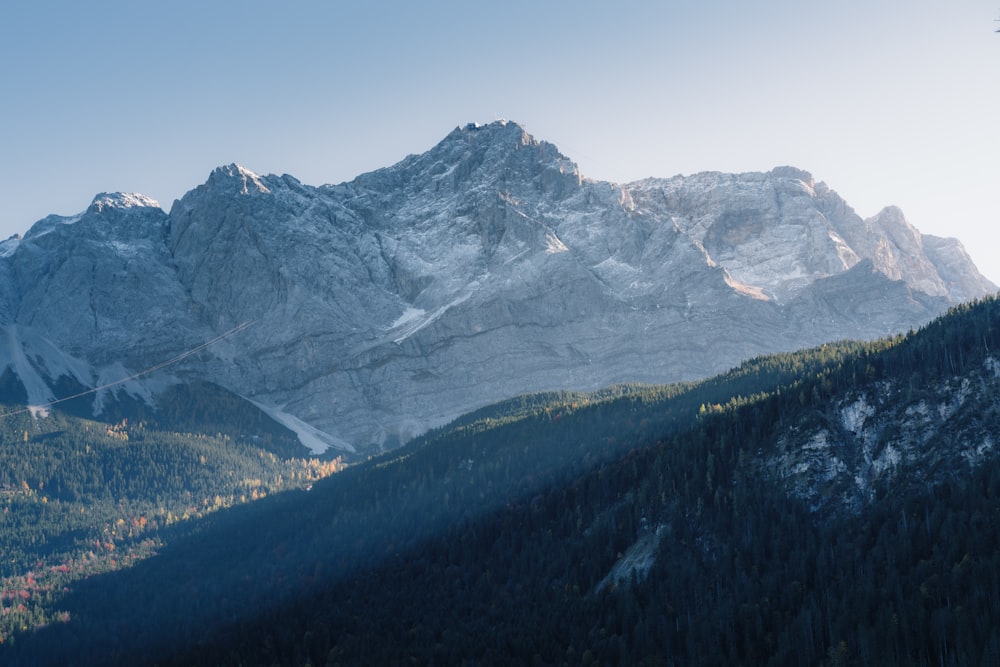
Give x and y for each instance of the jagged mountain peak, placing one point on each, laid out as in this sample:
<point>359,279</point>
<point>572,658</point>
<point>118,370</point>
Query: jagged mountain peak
<point>121,200</point>
<point>122,218</point>
<point>111,215</point>
<point>891,212</point>
<point>497,156</point>
<point>893,223</point>
<point>235,176</point>
<point>892,218</point>
<point>794,173</point>
<point>499,140</point>
<point>898,251</point>
<point>49,223</point>
<point>781,230</point>
<point>498,130</point>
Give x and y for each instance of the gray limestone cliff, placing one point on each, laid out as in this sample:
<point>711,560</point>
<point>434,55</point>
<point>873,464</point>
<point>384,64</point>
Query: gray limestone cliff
<point>484,268</point>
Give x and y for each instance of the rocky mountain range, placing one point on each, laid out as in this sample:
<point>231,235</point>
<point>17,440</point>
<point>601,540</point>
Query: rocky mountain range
<point>364,313</point>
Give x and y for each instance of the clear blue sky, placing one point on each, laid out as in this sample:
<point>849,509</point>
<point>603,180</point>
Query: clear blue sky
<point>894,102</point>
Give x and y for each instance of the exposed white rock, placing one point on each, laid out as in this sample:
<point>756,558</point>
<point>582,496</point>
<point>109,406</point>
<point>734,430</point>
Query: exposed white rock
<point>854,415</point>
<point>119,200</point>
<point>635,562</point>
<point>869,438</point>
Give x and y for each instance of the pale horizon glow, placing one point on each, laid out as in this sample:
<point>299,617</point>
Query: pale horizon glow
<point>891,103</point>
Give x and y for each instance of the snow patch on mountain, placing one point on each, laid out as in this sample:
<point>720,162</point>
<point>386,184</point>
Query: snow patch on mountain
<point>248,180</point>
<point>316,440</point>
<point>120,200</point>
<point>409,315</point>
<point>415,323</point>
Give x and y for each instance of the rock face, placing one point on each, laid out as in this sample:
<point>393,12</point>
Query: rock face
<point>481,269</point>
<point>834,463</point>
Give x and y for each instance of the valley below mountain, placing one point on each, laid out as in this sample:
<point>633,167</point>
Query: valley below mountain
<point>836,505</point>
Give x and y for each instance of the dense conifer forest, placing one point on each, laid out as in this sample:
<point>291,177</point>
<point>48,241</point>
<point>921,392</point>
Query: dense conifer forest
<point>638,525</point>
<point>80,497</point>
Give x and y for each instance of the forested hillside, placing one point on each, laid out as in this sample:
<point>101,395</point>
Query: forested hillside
<point>81,497</point>
<point>641,525</point>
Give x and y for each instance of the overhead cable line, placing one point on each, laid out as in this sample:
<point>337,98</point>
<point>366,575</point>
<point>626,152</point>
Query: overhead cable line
<point>152,369</point>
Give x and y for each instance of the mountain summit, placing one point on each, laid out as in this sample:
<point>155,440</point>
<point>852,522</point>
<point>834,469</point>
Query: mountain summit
<point>484,268</point>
